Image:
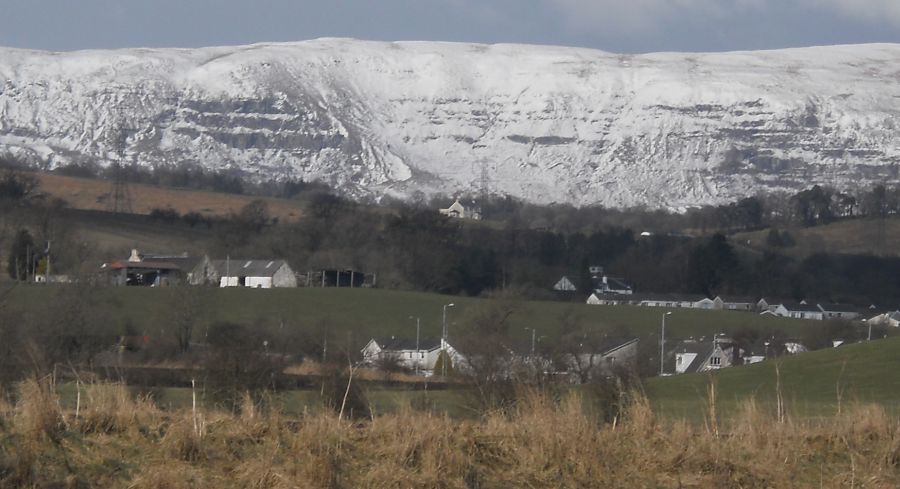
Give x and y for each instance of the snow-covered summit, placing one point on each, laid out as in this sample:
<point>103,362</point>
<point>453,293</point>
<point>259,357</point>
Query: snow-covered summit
<point>549,124</point>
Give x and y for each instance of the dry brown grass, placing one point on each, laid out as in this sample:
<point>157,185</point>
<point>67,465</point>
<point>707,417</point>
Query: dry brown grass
<point>543,443</point>
<point>92,194</point>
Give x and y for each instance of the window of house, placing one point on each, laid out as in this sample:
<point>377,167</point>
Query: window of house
<point>679,360</point>
<point>716,360</point>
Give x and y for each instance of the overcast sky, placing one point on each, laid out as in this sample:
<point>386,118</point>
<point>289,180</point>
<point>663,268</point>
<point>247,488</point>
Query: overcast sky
<point>612,25</point>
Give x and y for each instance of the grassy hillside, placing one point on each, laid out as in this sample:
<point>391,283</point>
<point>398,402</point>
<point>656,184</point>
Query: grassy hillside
<point>855,236</point>
<point>368,312</point>
<point>810,382</point>
<point>93,194</point>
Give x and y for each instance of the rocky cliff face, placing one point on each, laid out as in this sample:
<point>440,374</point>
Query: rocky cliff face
<point>546,124</point>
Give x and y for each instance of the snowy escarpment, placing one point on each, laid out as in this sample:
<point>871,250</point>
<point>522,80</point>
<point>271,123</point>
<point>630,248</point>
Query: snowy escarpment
<point>547,124</point>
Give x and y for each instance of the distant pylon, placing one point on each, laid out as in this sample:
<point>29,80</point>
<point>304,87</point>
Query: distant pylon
<point>485,187</point>
<point>119,196</point>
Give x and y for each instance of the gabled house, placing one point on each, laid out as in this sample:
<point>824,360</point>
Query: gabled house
<point>419,358</point>
<point>839,311</point>
<point>604,284</point>
<point>565,285</point>
<point>703,356</point>
<point>459,211</point>
<point>257,274</point>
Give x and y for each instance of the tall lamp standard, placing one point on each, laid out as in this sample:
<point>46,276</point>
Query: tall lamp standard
<point>417,343</point>
<point>662,342</point>
<point>533,339</point>
<point>444,340</point>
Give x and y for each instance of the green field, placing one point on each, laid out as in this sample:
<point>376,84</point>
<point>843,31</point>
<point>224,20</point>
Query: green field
<point>863,372</point>
<point>364,313</point>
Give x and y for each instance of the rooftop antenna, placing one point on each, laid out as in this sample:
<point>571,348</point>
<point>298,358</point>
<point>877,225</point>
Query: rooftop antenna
<point>120,195</point>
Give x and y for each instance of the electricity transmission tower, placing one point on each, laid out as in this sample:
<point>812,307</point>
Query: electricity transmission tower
<point>119,196</point>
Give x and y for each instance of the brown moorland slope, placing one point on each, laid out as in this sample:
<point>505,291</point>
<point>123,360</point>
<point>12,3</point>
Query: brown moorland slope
<point>94,194</point>
<point>853,236</point>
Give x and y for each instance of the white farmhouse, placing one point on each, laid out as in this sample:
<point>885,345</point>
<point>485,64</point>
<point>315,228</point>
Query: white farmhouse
<point>460,211</point>
<point>419,357</point>
<point>257,274</point>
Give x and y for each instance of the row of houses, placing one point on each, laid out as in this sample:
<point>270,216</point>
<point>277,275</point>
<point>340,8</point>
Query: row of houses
<point>720,352</point>
<point>422,357</point>
<point>797,310</point>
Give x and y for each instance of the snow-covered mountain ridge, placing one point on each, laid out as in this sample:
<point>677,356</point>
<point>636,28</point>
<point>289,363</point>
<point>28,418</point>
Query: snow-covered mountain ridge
<point>548,124</point>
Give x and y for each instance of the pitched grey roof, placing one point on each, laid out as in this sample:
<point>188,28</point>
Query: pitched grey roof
<point>247,268</point>
<point>703,350</point>
<point>835,307</point>
<point>399,344</point>
<point>616,284</point>
<point>793,306</point>
<point>184,263</point>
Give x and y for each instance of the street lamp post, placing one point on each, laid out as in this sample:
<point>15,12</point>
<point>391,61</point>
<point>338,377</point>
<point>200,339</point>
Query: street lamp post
<point>533,339</point>
<point>444,340</point>
<point>662,342</point>
<point>417,343</point>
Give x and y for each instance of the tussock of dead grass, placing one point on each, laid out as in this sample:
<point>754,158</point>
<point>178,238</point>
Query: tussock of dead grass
<point>545,442</point>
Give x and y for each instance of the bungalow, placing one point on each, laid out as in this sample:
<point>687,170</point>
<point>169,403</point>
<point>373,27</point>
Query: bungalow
<point>259,274</point>
<point>601,299</point>
<point>419,357</point>
<point>839,311</point>
<point>763,350</point>
<point>886,319</point>
<point>800,310</point>
<point>669,300</point>
<point>589,362</point>
<point>734,303</point>
<point>702,356</point>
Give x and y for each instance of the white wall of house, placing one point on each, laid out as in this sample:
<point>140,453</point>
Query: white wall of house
<point>683,361</point>
<point>409,359</point>
<point>284,277</point>
<point>258,282</point>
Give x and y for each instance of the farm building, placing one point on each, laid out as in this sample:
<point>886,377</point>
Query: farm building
<point>257,274</point>
<point>155,270</point>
